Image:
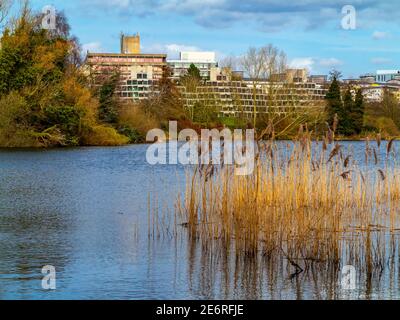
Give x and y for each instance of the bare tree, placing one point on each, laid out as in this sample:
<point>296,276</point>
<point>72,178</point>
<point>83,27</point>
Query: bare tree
<point>260,64</point>
<point>230,62</point>
<point>5,6</point>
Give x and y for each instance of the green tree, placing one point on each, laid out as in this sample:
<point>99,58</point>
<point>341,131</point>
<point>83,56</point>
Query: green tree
<point>346,120</point>
<point>334,104</point>
<point>390,107</point>
<point>194,72</point>
<point>44,100</point>
<point>108,109</point>
<point>192,79</point>
<point>358,112</point>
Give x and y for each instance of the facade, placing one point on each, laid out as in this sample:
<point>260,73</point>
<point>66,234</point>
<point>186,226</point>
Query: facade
<point>369,78</point>
<point>375,93</point>
<point>291,76</point>
<point>319,79</point>
<point>237,99</point>
<point>138,72</point>
<point>204,61</point>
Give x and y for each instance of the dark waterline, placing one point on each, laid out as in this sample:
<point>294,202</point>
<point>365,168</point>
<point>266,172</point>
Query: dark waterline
<point>85,212</point>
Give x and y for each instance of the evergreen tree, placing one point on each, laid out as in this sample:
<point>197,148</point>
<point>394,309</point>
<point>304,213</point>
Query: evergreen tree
<point>346,120</point>
<point>194,72</point>
<point>334,101</point>
<point>192,79</point>
<point>358,112</point>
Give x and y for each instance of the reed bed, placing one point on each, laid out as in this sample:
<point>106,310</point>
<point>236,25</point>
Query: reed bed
<point>309,202</point>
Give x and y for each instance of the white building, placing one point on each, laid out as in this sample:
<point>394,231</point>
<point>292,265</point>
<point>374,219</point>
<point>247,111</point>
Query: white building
<point>204,61</point>
<point>373,93</point>
<point>386,75</point>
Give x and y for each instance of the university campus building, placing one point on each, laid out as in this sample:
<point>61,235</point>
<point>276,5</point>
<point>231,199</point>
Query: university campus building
<point>138,72</point>
<point>204,61</point>
<point>241,98</point>
<point>235,95</point>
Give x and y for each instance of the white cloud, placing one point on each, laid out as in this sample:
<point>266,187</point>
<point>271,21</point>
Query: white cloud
<point>172,50</point>
<point>315,64</point>
<point>93,47</point>
<point>330,62</point>
<point>300,63</point>
<point>270,15</point>
<point>378,35</point>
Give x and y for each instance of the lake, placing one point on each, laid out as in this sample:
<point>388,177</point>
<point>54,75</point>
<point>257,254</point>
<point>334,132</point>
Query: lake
<point>85,212</point>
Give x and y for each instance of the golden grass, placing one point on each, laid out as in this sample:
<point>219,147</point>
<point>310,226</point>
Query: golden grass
<point>306,203</point>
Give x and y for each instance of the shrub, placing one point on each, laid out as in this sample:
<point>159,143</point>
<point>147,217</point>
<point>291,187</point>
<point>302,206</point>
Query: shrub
<point>101,135</point>
<point>134,117</point>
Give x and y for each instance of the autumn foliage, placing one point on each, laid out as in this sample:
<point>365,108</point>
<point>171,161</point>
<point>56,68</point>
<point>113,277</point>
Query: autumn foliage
<point>44,100</point>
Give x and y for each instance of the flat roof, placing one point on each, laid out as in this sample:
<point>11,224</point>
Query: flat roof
<point>383,72</point>
<point>190,61</point>
<point>127,55</point>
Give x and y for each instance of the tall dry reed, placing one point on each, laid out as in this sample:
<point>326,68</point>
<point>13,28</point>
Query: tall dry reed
<point>307,201</point>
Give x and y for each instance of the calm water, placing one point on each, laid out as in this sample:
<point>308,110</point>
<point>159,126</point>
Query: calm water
<point>84,211</point>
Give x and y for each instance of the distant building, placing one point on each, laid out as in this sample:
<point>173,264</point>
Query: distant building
<point>373,93</point>
<point>138,72</point>
<point>236,98</point>
<point>291,76</point>
<point>368,78</point>
<point>319,79</point>
<point>204,61</point>
<point>383,76</point>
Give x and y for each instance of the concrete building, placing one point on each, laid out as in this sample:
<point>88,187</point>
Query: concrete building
<point>375,93</point>
<point>368,78</point>
<point>204,61</point>
<point>138,72</point>
<point>319,79</point>
<point>236,98</point>
<point>130,44</point>
<point>291,76</point>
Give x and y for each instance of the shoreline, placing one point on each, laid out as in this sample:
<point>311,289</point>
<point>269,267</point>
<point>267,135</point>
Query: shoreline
<point>33,148</point>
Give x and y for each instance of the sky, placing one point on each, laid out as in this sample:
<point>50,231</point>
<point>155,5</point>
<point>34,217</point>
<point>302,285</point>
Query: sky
<point>310,32</point>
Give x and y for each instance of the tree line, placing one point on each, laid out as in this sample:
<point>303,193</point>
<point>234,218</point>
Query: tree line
<point>47,100</point>
<point>44,97</point>
<point>350,115</point>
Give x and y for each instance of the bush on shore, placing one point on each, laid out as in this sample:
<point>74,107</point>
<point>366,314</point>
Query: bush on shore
<point>44,97</point>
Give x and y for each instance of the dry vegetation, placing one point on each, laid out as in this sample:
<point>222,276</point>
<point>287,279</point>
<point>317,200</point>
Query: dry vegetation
<point>308,202</point>
<point>134,116</point>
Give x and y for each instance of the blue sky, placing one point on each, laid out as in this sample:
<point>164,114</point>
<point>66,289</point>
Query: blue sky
<point>309,31</point>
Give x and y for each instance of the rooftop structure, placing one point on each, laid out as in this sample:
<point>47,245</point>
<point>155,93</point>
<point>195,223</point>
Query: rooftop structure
<point>130,44</point>
<point>204,61</point>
